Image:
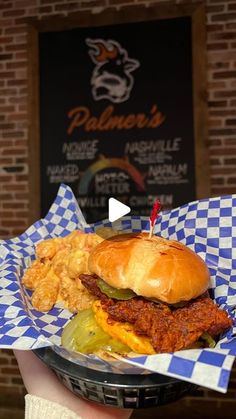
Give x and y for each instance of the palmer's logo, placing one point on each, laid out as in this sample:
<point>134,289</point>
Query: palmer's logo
<point>111,78</point>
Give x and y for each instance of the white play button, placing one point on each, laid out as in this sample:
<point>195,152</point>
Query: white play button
<point>116,209</point>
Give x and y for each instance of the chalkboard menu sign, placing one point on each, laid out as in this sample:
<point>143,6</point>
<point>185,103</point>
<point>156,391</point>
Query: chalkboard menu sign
<point>116,114</point>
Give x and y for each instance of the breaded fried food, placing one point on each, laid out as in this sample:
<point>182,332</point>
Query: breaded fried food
<point>77,262</point>
<point>47,249</point>
<point>54,275</point>
<point>75,296</point>
<point>84,241</point>
<point>35,273</point>
<point>46,293</point>
<point>124,332</point>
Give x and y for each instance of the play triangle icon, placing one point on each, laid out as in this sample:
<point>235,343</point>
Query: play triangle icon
<point>116,209</point>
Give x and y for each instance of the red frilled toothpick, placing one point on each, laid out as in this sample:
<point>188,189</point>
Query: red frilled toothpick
<point>154,216</point>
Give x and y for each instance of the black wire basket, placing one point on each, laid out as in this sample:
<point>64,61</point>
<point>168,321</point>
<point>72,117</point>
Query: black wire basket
<point>118,390</point>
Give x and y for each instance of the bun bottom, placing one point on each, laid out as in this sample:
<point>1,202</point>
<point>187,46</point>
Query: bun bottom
<point>124,332</point>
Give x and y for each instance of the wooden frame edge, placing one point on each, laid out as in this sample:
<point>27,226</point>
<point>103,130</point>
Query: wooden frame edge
<point>34,133</point>
<point>200,107</point>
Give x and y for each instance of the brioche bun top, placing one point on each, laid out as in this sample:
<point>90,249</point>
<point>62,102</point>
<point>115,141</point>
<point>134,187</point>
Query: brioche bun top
<point>154,267</point>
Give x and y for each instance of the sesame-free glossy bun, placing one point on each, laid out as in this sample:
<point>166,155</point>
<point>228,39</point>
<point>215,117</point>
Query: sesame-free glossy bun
<point>154,267</point>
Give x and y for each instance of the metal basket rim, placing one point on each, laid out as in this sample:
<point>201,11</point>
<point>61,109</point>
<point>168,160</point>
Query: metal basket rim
<point>106,379</point>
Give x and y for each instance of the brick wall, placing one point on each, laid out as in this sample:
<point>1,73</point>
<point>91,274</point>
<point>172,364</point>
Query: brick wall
<point>14,174</point>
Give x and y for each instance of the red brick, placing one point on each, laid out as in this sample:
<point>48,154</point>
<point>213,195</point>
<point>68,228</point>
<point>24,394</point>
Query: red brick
<point>117,2</point>
<point>222,191</point>
<point>4,23</point>
<point>216,85</point>
<point>19,99</point>
<point>8,352</point>
<point>22,37</point>
<point>230,122</point>
<point>6,39</point>
<point>217,46</point>
<point>229,141</point>
<point>14,13</point>
<point>4,57</point>
<point>12,205</point>
<point>4,360</point>
<point>13,82</point>
<point>7,5</point>
<point>21,160</point>
<point>15,30</point>
<point>217,181</point>
<point>16,47</point>
<point>225,94</point>
<point>17,380</point>
<point>8,108</point>
<point>230,181</point>
<point>21,214</point>
<point>217,1</point>
<point>6,143</point>
<point>21,143</point>
<point>18,64</point>
<point>224,17</point>
<point>224,151</point>
<point>214,28</point>
<point>23,91</point>
<point>217,104</point>
<point>17,116</point>
<point>5,92</point>
<point>17,231</point>
<point>23,196</point>
<point>21,55</point>
<point>45,9</point>
<point>214,161</point>
<point>13,134</point>
<point>7,74</point>
<point>223,131</point>
<point>223,170</point>
<point>231,7</point>
<point>10,370</point>
<point>215,122</point>
<point>218,65</point>
<point>7,215</point>
<point>227,112</point>
<point>26,3</point>
<point>66,7</point>
<point>215,142</point>
<point>51,1</point>
<point>224,75</point>
<point>12,223</point>
<point>215,9</point>
<point>5,160</point>
<point>231,25</point>
<point>4,379</point>
<point>7,126</point>
<point>22,178</point>
<point>15,187</point>
<point>223,36</point>
<point>12,151</point>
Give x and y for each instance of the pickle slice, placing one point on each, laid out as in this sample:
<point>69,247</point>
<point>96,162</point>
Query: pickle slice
<point>118,294</point>
<point>209,340</point>
<point>116,346</point>
<point>83,334</point>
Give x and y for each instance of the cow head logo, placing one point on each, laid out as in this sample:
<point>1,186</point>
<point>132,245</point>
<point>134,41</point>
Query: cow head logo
<point>111,78</point>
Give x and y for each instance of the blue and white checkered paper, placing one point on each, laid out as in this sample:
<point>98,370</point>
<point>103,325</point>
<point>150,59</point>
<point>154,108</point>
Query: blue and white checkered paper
<point>207,226</point>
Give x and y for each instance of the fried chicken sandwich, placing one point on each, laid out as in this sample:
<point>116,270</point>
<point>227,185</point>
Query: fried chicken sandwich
<point>152,294</point>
